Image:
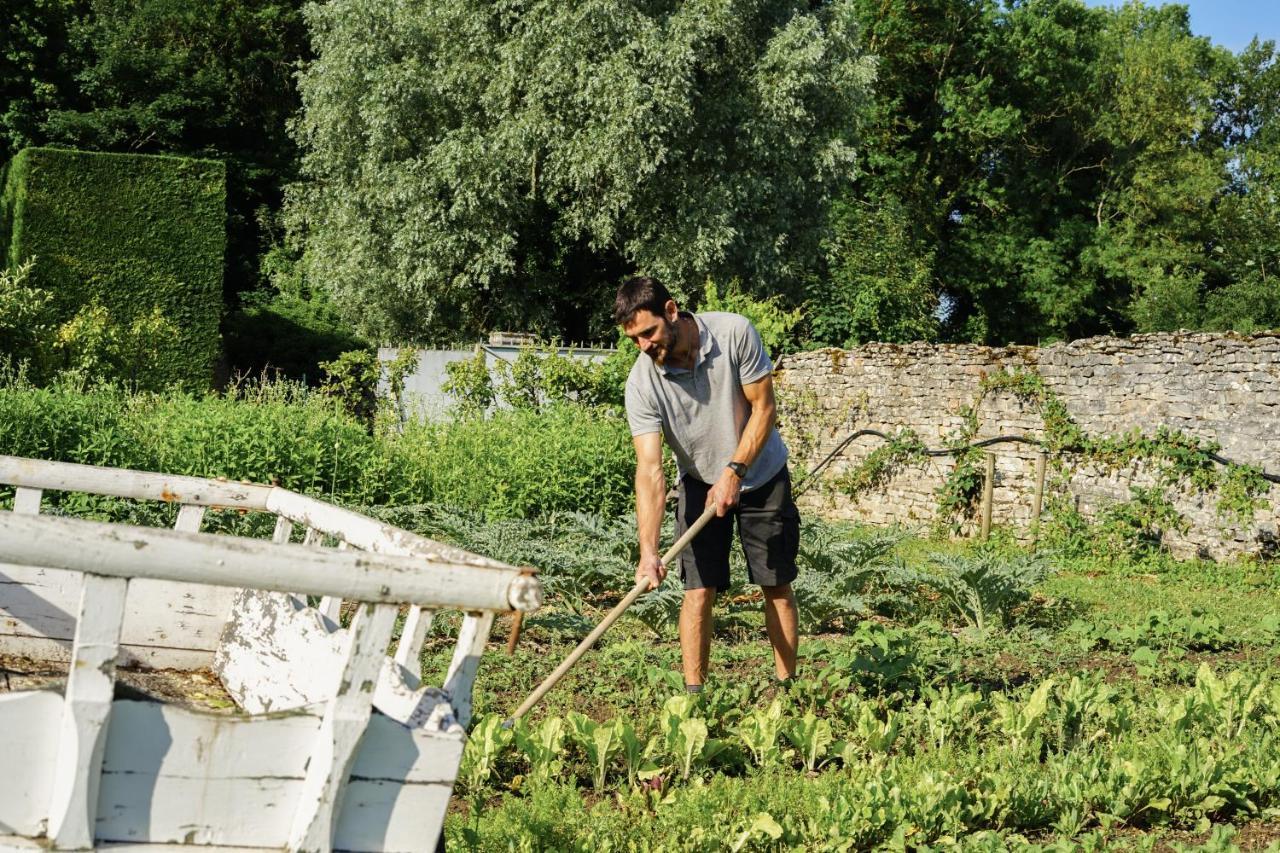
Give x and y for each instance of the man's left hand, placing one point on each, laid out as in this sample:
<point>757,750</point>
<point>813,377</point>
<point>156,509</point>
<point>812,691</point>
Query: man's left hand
<point>725,493</point>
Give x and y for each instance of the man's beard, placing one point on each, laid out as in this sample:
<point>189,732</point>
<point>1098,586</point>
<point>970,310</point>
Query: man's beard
<point>670,336</point>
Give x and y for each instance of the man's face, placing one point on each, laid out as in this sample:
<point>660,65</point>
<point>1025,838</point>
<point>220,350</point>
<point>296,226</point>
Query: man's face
<point>653,333</point>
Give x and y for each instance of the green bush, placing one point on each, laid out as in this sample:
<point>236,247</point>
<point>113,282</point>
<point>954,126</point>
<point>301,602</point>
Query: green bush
<point>123,236</point>
<point>522,462</point>
<point>515,464</point>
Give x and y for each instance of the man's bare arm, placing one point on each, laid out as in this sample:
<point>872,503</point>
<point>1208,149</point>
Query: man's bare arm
<point>764,414</point>
<point>651,499</point>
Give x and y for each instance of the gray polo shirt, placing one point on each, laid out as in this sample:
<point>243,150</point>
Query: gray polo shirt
<point>702,411</point>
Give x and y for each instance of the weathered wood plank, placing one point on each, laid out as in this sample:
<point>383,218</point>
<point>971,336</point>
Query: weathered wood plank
<point>27,501</point>
<point>472,637</point>
<point>71,477</point>
<point>345,720</point>
<point>399,788</point>
<point>189,518</point>
<point>172,775</point>
<point>30,726</point>
<point>129,551</point>
<point>284,530</point>
<point>367,534</point>
<point>277,654</point>
<point>87,707</point>
<point>166,624</point>
<point>417,622</point>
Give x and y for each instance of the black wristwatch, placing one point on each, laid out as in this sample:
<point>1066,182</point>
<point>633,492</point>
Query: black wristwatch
<point>739,469</point>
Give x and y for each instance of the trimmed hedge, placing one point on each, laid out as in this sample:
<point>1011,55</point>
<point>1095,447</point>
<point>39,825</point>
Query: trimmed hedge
<point>132,232</point>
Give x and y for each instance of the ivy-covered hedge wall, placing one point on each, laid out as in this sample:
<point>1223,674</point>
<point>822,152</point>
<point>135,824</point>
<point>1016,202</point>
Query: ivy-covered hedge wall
<point>132,233</point>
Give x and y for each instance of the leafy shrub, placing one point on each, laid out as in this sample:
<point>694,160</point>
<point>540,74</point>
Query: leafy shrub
<point>539,377</point>
<point>841,577</point>
<point>517,463</point>
<point>775,324</point>
<point>286,334</point>
<point>983,587</point>
<point>522,463</point>
<point>137,234</point>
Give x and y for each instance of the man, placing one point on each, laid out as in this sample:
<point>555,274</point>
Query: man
<point>705,384</point>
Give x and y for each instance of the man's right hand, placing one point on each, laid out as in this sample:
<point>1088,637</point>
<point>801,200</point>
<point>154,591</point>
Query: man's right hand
<point>652,569</point>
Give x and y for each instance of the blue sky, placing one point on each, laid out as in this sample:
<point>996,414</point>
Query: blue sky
<point>1230,23</point>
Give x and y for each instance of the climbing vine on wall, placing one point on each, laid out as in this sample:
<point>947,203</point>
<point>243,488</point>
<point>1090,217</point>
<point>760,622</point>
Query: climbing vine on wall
<point>1178,460</point>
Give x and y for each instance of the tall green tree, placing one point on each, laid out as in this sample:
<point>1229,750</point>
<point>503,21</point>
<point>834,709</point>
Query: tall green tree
<point>473,164</point>
<point>1049,170</point>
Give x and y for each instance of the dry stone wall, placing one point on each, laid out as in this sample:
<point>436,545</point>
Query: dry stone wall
<point>1220,388</point>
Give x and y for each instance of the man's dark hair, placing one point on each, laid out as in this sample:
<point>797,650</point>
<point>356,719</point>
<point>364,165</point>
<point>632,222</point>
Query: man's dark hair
<point>639,293</point>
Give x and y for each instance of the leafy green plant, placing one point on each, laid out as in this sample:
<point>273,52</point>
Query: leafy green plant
<point>485,745</point>
<point>686,736</point>
<point>1019,722</point>
<point>542,747</point>
<point>882,464</point>
<point>812,737</point>
<point>600,742</point>
<point>771,320</point>
<point>983,587</point>
<point>838,574</point>
<point>759,731</point>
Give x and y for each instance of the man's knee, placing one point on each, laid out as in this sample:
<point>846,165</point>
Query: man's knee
<point>700,597</point>
<point>776,593</point>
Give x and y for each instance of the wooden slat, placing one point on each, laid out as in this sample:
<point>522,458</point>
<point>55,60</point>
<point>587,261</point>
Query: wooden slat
<point>30,723</point>
<point>416,625</point>
<point>367,534</point>
<point>472,637</point>
<point>189,518</point>
<point>284,529</point>
<point>122,550</point>
<point>87,707</point>
<point>27,501</point>
<point>70,477</point>
<point>345,720</point>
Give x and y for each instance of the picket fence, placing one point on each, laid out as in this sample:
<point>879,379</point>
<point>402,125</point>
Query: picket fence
<point>334,745</point>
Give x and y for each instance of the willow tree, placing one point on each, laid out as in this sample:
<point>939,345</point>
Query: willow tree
<point>471,164</point>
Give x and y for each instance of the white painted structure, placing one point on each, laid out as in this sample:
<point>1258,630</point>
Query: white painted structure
<point>423,397</point>
<point>338,746</point>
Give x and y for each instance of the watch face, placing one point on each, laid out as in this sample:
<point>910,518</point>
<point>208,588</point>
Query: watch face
<point>738,468</point>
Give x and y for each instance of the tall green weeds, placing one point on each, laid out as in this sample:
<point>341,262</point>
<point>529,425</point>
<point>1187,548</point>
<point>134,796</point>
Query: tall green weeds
<point>512,464</point>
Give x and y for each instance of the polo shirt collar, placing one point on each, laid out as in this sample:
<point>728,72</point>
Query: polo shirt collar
<point>706,345</point>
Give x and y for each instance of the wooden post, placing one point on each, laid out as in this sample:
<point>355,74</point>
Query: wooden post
<point>86,709</point>
<point>988,485</point>
<point>345,719</point>
<point>517,620</point>
<point>1037,503</point>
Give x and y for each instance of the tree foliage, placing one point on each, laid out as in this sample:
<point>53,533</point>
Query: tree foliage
<point>1048,170</point>
<point>473,165</point>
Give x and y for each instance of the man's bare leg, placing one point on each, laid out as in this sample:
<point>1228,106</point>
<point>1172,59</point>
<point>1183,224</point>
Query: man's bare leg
<point>695,633</point>
<point>782,623</point>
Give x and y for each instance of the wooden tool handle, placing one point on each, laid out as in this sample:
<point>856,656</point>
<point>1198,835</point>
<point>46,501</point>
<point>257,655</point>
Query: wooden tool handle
<point>641,587</point>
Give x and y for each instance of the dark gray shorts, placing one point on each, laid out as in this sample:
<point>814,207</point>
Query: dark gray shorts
<point>768,525</point>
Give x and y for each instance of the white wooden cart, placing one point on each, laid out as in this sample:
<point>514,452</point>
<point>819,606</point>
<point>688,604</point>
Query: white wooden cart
<point>336,745</point>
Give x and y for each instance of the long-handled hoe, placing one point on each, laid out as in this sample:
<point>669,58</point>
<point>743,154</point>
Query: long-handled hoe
<point>641,587</point>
